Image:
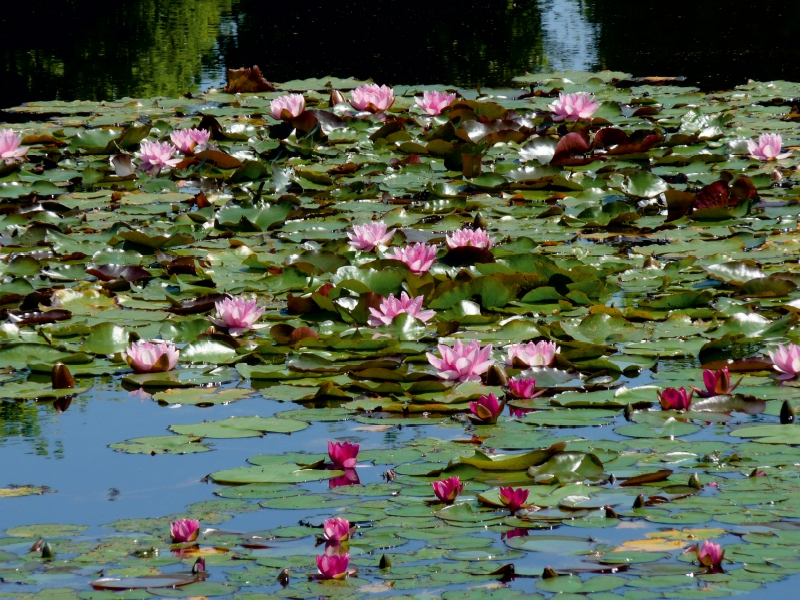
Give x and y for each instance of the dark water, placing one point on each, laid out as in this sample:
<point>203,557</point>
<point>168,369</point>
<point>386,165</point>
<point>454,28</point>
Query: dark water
<point>90,49</point>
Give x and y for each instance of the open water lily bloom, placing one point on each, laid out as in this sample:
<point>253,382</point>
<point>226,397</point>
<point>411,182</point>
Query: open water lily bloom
<point>151,357</point>
<point>523,388</point>
<point>710,554</point>
<point>372,97</point>
<point>786,359</point>
<point>513,498</point>
<point>574,107</point>
<point>462,362</point>
<point>768,147</point>
<point>675,399</point>
<point>477,238</point>
<point>717,383</point>
<point>486,409</point>
<point>187,140</point>
<point>434,103</point>
<point>447,490</point>
<point>184,530</point>
<point>10,145</point>
<point>333,566</point>
<point>287,107</point>
<point>343,455</point>
<point>154,156</point>
<point>237,314</point>
<point>538,354</point>
<point>370,236</point>
<point>391,307</point>
<point>419,257</point>
<point>336,530</point>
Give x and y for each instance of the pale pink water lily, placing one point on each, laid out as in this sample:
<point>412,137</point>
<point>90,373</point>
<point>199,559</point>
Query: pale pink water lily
<point>477,238</point>
<point>573,107</point>
<point>372,97</point>
<point>532,354</point>
<point>462,362</point>
<point>186,140</point>
<point>486,410</point>
<point>288,107</point>
<point>768,147</point>
<point>184,530</point>
<point>155,156</point>
<point>786,359</point>
<point>337,530</point>
<point>237,314</point>
<point>710,554</point>
<point>419,257</point>
<point>369,236</point>
<point>10,145</point>
<point>717,383</point>
<point>434,103</point>
<point>675,399</point>
<point>391,307</point>
<point>513,498</point>
<point>333,566</point>
<point>523,388</point>
<point>151,357</point>
<point>343,454</point>
<point>447,490</point>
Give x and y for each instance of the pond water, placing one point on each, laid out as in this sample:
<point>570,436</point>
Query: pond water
<point>78,49</point>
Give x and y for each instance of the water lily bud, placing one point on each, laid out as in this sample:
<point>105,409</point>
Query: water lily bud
<point>612,479</point>
<point>694,481</point>
<point>628,412</point>
<point>788,413</point>
<point>496,376</point>
<point>651,263</point>
<point>47,551</point>
<point>283,577</point>
<point>337,98</point>
<point>61,378</point>
<point>639,502</point>
<point>549,573</point>
<point>199,566</point>
<point>385,563</point>
<point>480,222</point>
<point>611,513</point>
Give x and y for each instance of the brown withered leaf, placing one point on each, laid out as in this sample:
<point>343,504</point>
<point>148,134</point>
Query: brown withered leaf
<point>247,81</point>
<point>661,475</point>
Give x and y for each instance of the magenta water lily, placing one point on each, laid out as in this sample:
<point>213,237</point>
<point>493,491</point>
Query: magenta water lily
<point>447,490</point>
<point>717,382</point>
<point>486,410</point>
<point>151,357</point>
<point>337,530</point>
<point>333,566</point>
<point>184,530</point>
<point>372,97</point>
<point>710,554</point>
<point>538,354</point>
<point>391,307</point>
<point>574,107</point>
<point>370,236</point>
<point>462,362</point>
<point>343,455</point>
<point>434,103</point>
<point>237,314</point>
<point>513,498</point>
<point>675,399</point>
<point>523,388</point>
<point>287,107</point>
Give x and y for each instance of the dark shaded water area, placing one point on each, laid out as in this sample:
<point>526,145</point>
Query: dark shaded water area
<point>82,49</point>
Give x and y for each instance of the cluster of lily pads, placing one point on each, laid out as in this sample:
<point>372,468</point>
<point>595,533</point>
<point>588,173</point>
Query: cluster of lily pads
<point>523,275</point>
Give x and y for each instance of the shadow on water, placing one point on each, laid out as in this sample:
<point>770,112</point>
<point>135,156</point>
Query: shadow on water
<point>79,49</point>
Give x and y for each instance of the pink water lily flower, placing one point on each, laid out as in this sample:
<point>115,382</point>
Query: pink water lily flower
<point>372,97</point>
<point>391,307</point>
<point>184,530</point>
<point>447,490</point>
<point>9,144</point>
<point>462,363</point>
<point>237,314</point>
<point>477,238</point>
<point>337,530</point>
<point>434,103</point>
<point>539,354</point>
<point>710,554</point>
<point>486,410</point>
<point>786,359</point>
<point>513,498</point>
<point>675,399</point>
<point>368,237</point>
<point>523,389</point>
<point>333,566</point>
<point>419,257</point>
<point>574,107</point>
<point>151,357</point>
<point>155,156</point>
<point>343,454</point>
<point>717,383</point>
<point>186,140</point>
<point>350,477</point>
<point>288,107</point>
<point>768,147</point>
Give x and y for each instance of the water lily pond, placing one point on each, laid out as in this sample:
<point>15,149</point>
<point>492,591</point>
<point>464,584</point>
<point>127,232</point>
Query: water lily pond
<point>558,321</point>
